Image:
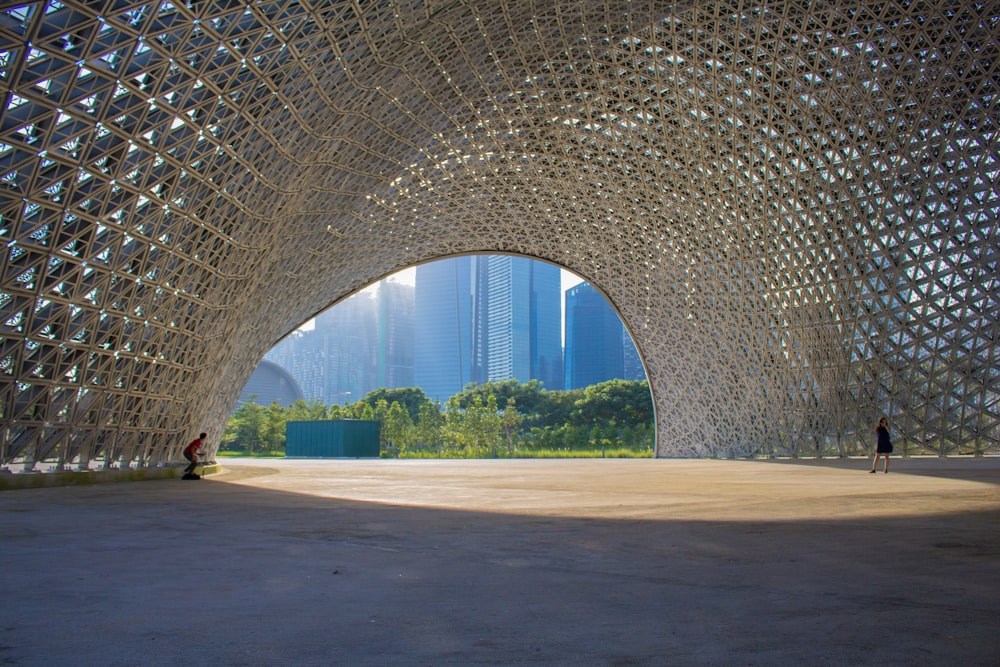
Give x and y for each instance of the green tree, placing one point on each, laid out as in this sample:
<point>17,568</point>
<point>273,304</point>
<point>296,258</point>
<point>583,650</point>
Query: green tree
<point>475,421</point>
<point>556,409</point>
<point>381,409</point>
<point>301,411</point>
<point>247,422</point>
<point>397,427</point>
<point>359,410</point>
<point>537,405</point>
<point>412,398</point>
<point>562,436</point>
<point>429,429</point>
<point>365,412</point>
<point>456,431</point>
<point>617,402</point>
<point>530,396</point>
<point>481,426</point>
<point>510,421</point>
<point>272,429</point>
<point>228,440</point>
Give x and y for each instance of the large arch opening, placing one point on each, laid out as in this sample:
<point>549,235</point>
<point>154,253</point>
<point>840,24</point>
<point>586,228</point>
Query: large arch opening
<point>487,356</point>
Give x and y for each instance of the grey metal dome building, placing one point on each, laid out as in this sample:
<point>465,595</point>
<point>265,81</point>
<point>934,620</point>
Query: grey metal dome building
<point>270,383</point>
<point>793,205</point>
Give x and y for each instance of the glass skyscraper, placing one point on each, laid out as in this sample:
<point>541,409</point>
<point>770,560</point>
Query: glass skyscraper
<point>633,364</point>
<point>471,319</point>
<point>394,351</point>
<point>594,338</point>
<point>524,320</point>
<point>443,335</point>
<point>485,318</point>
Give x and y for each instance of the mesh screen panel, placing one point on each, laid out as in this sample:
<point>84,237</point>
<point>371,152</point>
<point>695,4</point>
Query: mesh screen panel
<point>793,205</point>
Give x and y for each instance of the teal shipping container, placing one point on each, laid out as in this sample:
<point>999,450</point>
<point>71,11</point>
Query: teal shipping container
<point>337,438</point>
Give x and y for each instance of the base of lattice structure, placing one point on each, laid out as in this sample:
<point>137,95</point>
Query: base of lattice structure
<point>38,480</point>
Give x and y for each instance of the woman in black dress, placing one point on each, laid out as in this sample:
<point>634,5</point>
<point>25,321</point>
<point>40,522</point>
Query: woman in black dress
<point>884,446</point>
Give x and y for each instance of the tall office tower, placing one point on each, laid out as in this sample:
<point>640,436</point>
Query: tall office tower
<point>442,326</point>
<point>593,338</point>
<point>503,361</point>
<point>480,321</point>
<point>546,330</point>
<point>633,364</point>
<point>394,351</point>
<point>523,321</point>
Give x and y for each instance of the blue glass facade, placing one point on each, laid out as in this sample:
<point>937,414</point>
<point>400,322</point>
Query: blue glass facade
<point>394,351</point>
<point>546,326</point>
<point>633,364</point>
<point>594,339</point>
<point>524,320</point>
<point>443,317</point>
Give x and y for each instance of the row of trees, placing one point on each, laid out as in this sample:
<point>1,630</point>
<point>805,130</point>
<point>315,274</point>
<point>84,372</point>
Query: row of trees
<point>505,418</point>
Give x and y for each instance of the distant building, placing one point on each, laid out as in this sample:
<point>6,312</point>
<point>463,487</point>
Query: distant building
<point>467,319</point>
<point>594,339</point>
<point>346,346</point>
<point>442,326</point>
<point>363,343</point>
<point>485,318</point>
<point>394,347</point>
<point>523,320</point>
<point>271,383</point>
<point>632,363</point>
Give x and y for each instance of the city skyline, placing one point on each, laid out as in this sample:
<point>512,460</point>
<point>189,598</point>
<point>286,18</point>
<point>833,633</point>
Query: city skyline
<point>472,318</point>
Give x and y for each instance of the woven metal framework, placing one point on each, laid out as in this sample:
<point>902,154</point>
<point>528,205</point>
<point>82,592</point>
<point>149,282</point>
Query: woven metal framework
<point>793,205</point>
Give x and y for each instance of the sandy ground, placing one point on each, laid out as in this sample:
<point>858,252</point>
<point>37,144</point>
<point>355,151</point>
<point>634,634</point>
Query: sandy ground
<point>593,562</point>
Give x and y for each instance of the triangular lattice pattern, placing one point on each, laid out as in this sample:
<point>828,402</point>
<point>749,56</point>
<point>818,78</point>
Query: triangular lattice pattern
<point>792,204</point>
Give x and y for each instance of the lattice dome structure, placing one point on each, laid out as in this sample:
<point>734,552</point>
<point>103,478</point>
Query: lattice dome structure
<point>792,205</point>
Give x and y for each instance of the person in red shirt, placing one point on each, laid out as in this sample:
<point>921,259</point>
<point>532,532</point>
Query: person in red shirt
<point>191,453</point>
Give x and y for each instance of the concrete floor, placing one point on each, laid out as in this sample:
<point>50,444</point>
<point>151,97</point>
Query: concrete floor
<point>595,562</point>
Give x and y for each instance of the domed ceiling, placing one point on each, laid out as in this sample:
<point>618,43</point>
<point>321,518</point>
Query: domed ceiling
<point>793,205</point>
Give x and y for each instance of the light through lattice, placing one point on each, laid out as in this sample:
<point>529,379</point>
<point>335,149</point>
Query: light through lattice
<point>793,204</point>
